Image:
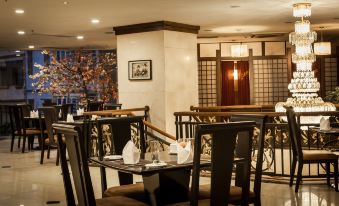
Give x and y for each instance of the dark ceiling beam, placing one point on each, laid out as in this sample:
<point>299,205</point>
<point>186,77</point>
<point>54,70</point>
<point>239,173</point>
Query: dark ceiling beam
<point>156,26</point>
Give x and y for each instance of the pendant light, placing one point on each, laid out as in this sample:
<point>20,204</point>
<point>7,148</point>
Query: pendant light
<point>322,48</point>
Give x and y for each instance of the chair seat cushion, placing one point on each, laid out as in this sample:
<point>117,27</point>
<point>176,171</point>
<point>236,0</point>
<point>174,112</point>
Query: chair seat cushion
<point>235,193</point>
<point>135,191</point>
<point>55,139</point>
<point>319,155</point>
<point>118,201</point>
<point>30,131</point>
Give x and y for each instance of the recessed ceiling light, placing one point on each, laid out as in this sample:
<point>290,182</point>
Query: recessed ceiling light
<point>31,46</point>
<point>17,51</point>
<point>19,11</point>
<point>65,2</point>
<point>95,21</point>
<point>21,32</point>
<point>80,37</point>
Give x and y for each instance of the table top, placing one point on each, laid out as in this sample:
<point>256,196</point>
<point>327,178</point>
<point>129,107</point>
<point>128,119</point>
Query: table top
<point>141,169</point>
<point>333,130</point>
<point>76,122</point>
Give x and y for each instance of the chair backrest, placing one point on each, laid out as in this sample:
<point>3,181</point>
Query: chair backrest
<point>121,133</point>
<point>16,116</point>
<point>79,166</point>
<point>112,106</point>
<point>223,144</point>
<point>26,109</point>
<point>94,106</point>
<point>64,109</point>
<point>261,121</point>
<point>50,116</point>
<point>294,133</point>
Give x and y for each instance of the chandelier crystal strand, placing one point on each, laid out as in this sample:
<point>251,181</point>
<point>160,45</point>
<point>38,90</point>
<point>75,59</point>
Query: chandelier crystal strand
<point>304,86</point>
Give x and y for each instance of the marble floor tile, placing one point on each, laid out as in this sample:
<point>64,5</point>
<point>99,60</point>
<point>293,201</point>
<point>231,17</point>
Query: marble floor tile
<point>23,181</point>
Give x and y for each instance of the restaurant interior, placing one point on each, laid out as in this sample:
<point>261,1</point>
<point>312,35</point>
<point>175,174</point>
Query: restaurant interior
<point>175,102</point>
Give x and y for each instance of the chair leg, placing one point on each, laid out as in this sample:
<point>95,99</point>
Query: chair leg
<point>19,140</point>
<point>299,176</point>
<point>23,143</point>
<point>336,175</point>
<point>294,163</point>
<point>48,151</point>
<point>42,151</point>
<point>328,176</point>
<point>57,158</point>
<point>12,142</point>
<point>257,201</point>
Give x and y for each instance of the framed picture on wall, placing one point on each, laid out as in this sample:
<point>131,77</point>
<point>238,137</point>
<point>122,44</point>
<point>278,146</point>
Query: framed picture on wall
<point>140,70</point>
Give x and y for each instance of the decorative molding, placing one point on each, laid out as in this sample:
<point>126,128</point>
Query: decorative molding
<point>156,26</point>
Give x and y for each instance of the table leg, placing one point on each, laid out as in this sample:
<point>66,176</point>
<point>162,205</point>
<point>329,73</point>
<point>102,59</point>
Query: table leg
<point>167,187</point>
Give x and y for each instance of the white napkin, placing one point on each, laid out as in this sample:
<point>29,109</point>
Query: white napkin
<point>94,117</point>
<point>69,118</point>
<point>185,154</point>
<point>173,148</point>
<point>80,111</point>
<point>130,153</point>
<point>34,114</point>
<point>60,114</point>
<point>325,124</point>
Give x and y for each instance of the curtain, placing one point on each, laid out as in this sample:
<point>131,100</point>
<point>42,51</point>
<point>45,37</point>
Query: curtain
<point>227,96</point>
<point>243,83</point>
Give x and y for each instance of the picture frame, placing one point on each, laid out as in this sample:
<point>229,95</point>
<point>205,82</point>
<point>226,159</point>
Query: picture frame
<point>140,70</point>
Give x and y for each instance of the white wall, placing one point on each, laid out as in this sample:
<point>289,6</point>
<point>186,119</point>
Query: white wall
<point>174,84</point>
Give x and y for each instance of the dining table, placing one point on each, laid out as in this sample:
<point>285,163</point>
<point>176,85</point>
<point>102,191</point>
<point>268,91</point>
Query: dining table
<point>165,184</point>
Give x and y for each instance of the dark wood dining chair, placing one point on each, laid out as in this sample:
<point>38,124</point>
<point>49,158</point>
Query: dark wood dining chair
<point>64,109</point>
<point>307,156</point>
<point>112,106</point>
<point>80,171</point>
<point>94,106</point>
<point>224,136</point>
<point>242,150</point>
<point>121,129</point>
<point>20,128</point>
<point>48,116</point>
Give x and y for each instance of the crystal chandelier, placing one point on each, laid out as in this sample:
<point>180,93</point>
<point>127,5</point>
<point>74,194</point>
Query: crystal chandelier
<point>304,86</point>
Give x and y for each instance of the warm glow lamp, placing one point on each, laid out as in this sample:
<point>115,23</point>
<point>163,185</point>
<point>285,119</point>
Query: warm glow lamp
<point>239,50</point>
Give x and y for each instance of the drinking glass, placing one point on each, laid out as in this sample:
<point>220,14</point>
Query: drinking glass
<point>154,149</point>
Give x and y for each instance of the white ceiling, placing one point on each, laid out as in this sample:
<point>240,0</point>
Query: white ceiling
<point>52,17</point>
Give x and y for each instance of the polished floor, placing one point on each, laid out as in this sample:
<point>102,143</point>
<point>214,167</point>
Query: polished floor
<point>24,182</point>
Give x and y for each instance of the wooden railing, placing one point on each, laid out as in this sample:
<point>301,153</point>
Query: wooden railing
<point>277,157</point>
<point>120,112</point>
<point>234,108</point>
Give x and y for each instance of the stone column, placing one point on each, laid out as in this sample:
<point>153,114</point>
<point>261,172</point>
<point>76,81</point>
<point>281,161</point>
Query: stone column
<point>172,47</point>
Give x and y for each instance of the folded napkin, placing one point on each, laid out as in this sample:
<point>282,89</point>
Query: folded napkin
<point>130,153</point>
<point>94,117</point>
<point>60,114</point>
<point>34,114</point>
<point>325,124</point>
<point>173,148</point>
<point>80,111</point>
<point>69,118</point>
<point>185,152</point>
